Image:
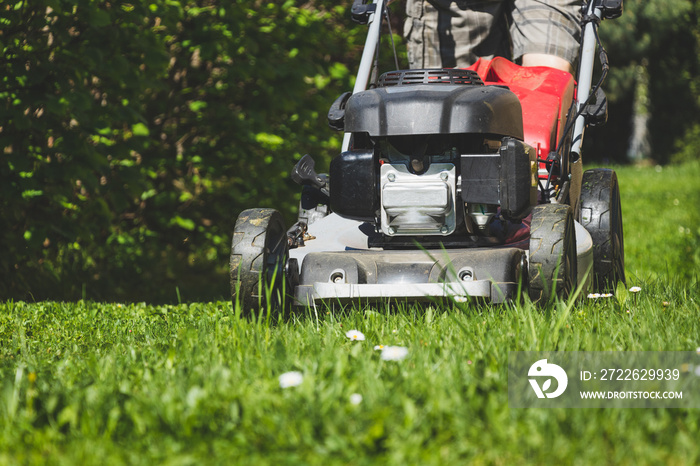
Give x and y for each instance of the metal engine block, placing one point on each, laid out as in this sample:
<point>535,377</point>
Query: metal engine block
<point>418,204</point>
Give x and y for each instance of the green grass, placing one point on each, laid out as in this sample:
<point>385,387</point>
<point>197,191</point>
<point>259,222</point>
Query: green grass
<point>89,383</point>
<point>661,212</point>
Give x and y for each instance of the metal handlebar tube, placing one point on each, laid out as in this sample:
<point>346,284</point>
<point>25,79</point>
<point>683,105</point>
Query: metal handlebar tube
<point>370,49</point>
<point>585,75</point>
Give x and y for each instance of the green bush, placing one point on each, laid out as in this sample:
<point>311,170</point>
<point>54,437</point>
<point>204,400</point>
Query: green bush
<point>134,133</point>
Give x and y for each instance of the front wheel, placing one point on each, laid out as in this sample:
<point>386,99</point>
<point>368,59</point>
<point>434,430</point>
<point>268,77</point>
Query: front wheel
<point>552,262</point>
<point>259,255</point>
<point>601,215</point>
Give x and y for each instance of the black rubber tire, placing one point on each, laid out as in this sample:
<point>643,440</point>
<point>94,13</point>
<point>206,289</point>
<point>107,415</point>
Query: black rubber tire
<point>552,267</point>
<point>601,215</point>
<point>259,255</point>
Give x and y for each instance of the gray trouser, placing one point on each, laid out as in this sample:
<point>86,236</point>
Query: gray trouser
<point>455,33</point>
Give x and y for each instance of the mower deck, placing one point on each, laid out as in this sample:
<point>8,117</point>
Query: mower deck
<point>336,264</point>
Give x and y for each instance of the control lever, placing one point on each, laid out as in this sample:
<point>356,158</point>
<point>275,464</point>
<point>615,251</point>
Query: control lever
<point>596,112</point>
<point>361,11</point>
<point>304,174</point>
<point>297,234</point>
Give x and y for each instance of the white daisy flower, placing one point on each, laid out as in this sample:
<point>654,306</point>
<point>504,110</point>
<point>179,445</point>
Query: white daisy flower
<point>394,353</point>
<point>291,379</point>
<point>355,335</point>
<point>355,399</point>
<point>593,295</point>
<point>635,289</point>
<point>381,347</point>
<point>607,295</point>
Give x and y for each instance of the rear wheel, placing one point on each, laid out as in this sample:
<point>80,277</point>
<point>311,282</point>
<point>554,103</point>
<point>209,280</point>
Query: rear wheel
<point>552,253</point>
<point>259,255</point>
<point>601,215</point>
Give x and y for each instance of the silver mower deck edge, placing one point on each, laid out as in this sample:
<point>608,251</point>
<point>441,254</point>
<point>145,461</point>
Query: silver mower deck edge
<point>338,265</point>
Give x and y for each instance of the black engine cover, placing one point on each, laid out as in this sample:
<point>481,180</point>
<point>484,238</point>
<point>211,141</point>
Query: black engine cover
<point>434,109</point>
<point>506,178</point>
<point>354,185</point>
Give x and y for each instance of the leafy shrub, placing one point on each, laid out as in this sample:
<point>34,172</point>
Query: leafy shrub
<point>134,133</point>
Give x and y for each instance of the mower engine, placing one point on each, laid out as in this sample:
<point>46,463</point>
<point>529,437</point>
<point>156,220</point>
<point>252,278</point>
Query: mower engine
<point>434,152</point>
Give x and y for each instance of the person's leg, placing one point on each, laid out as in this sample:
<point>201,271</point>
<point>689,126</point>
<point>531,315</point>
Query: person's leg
<point>449,33</point>
<point>543,59</point>
<point>420,32</point>
<point>546,32</point>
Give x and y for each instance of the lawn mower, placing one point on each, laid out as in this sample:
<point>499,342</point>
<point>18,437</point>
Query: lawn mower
<point>451,184</point>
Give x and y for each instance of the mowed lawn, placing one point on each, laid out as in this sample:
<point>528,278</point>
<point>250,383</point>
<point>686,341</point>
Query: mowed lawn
<point>130,383</point>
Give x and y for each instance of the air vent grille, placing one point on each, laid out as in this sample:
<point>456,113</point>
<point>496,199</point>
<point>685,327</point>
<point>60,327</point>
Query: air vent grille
<point>430,76</point>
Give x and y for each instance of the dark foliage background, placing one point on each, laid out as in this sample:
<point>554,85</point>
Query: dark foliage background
<point>132,134</point>
<point>654,54</point>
